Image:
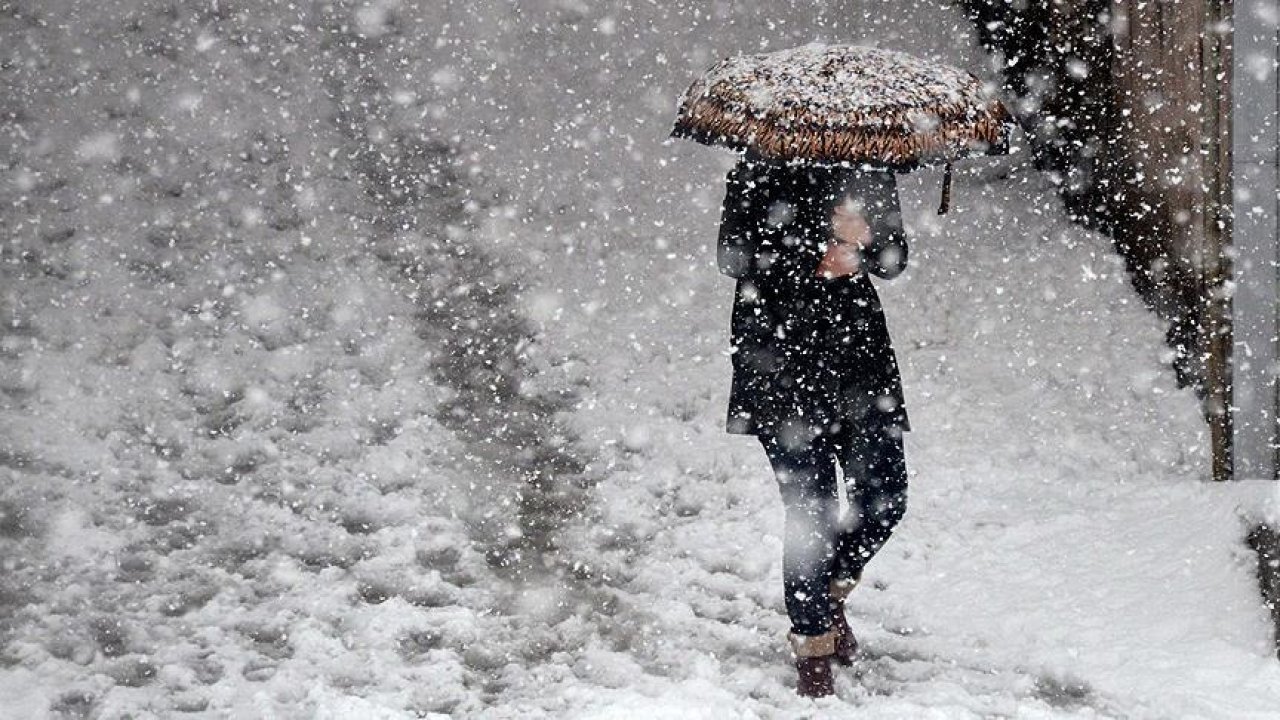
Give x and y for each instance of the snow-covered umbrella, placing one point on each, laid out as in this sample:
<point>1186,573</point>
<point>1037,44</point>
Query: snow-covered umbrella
<point>846,104</point>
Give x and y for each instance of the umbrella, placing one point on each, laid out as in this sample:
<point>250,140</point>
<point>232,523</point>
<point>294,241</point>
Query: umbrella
<point>845,104</point>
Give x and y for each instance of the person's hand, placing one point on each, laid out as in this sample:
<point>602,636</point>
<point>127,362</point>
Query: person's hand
<point>841,259</point>
<point>849,225</point>
<point>851,232</point>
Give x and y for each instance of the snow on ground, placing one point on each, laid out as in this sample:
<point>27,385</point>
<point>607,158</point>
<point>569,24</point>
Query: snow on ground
<point>1061,555</point>
<point>369,360</point>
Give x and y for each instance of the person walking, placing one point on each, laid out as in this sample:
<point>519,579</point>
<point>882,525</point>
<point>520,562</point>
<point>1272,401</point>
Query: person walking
<point>815,377</point>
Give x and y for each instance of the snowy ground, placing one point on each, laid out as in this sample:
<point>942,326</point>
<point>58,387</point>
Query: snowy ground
<point>1061,556</point>
<point>306,415</point>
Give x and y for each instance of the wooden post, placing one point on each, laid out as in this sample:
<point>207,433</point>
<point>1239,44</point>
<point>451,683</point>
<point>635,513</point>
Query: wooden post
<point>1172,71</point>
<point>1215,150</point>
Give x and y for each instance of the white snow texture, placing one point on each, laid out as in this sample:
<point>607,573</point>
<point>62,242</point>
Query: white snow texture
<point>368,360</point>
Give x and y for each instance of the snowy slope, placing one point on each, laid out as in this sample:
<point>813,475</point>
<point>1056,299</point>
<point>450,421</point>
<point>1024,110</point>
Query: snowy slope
<point>319,323</point>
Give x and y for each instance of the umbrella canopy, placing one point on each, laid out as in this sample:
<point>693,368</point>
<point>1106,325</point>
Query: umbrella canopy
<point>845,103</point>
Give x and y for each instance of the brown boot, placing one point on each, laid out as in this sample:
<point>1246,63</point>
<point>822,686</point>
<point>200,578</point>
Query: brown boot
<point>813,655</point>
<point>846,650</point>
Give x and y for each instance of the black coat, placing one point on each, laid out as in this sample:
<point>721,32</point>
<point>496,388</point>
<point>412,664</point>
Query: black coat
<point>809,354</point>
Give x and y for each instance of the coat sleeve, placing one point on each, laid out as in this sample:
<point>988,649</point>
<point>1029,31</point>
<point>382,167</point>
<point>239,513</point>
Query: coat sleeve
<point>759,215</point>
<point>886,255</point>
<point>739,224</point>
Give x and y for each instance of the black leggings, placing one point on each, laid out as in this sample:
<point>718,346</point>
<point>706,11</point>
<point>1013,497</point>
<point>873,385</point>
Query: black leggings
<point>819,545</point>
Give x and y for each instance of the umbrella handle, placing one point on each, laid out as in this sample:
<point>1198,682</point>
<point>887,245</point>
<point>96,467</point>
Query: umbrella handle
<point>946,191</point>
